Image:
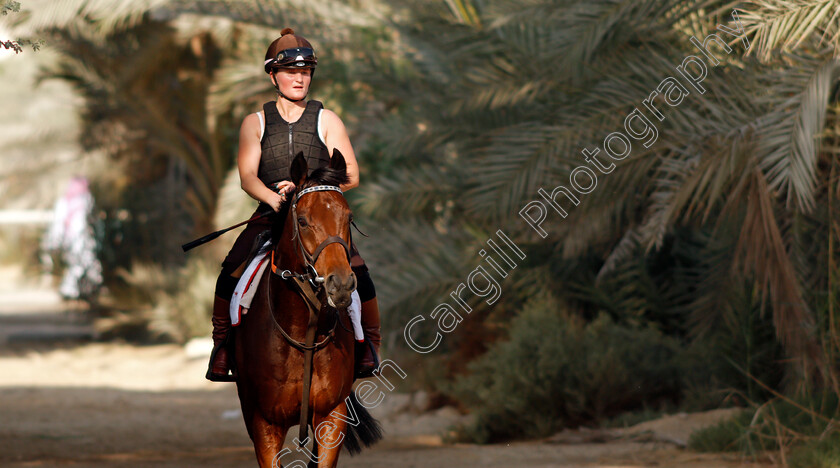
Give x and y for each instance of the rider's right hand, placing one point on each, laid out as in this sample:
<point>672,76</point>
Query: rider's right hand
<point>276,201</point>
<point>284,190</point>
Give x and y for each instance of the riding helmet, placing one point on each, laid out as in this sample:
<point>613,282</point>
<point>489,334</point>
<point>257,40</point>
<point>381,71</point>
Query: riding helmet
<point>290,51</point>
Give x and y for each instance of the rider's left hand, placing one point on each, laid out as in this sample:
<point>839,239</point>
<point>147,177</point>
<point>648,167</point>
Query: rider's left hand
<point>285,187</point>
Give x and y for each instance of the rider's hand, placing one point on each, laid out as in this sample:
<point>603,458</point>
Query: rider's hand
<point>276,201</point>
<point>284,189</point>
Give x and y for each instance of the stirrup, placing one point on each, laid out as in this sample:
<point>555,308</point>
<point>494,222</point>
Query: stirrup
<point>363,373</point>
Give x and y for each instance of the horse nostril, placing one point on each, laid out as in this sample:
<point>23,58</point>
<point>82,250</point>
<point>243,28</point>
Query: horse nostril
<point>335,283</point>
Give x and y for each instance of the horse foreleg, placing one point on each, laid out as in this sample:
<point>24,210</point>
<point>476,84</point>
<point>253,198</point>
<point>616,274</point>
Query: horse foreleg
<point>330,431</point>
<point>268,442</point>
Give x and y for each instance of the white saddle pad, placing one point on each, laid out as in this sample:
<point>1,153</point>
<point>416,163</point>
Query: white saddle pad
<point>247,287</point>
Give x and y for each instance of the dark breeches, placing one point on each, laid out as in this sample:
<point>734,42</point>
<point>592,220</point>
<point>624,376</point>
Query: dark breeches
<point>238,254</point>
<point>226,282</point>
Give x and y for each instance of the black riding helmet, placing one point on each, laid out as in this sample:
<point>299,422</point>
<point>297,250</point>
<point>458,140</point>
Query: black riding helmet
<point>290,51</point>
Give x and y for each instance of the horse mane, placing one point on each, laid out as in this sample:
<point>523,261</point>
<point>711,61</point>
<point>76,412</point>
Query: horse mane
<point>326,176</point>
<point>278,221</point>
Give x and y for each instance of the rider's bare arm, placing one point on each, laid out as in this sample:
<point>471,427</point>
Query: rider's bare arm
<point>248,161</point>
<point>335,136</point>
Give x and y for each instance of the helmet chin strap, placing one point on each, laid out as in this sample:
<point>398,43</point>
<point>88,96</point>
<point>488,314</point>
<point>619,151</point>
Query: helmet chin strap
<point>280,93</point>
<point>288,98</point>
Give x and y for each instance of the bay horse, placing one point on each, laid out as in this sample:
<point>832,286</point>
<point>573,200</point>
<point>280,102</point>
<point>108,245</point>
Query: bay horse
<point>300,309</point>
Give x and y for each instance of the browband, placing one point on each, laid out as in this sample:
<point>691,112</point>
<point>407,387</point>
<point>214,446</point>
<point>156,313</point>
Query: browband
<point>317,188</point>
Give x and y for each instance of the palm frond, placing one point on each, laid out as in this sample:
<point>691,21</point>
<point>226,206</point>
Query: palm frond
<point>516,160</point>
<point>790,132</point>
<point>409,192</point>
<point>785,24</point>
<point>762,252</point>
<point>621,252</point>
<point>414,266</point>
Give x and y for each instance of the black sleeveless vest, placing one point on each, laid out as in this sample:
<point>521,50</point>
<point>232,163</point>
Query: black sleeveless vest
<point>282,141</point>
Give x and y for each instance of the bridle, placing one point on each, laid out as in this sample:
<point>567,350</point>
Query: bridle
<point>310,259</point>
<point>310,273</point>
<point>310,286</point>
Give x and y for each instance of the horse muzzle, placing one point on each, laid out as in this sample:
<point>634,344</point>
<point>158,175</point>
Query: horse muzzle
<point>339,289</point>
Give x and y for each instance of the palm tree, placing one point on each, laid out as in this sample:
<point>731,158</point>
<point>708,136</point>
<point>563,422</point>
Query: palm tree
<point>145,70</point>
<point>145,93</point>
<point>506,95</point>
<point>471,105</point>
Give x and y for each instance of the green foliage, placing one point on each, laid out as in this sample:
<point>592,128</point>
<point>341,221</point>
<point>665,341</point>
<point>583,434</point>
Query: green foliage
<point>803,422</point>
<point>18,45</point>
<point>9,6</point>
<point>683,291</point>
<point>720,235</point>
<point>823,452</point>
<point>142,219</point>
<point>503,98</point>
<point>725,436</point>
<point>557,371</point>
<point>145,89</point>
<point>741,349</point>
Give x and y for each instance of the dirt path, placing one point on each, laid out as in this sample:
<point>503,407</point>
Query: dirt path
<point>110,405</point>
<point>84,404</point>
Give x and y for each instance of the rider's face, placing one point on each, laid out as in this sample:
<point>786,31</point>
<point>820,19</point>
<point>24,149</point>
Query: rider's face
<point>293,82</point>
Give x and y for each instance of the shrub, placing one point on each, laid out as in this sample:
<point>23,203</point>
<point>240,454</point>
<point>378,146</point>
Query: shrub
<point>556,371</point>
<point>818,453</point>
<point>778,425</point>
<point>725,436</point>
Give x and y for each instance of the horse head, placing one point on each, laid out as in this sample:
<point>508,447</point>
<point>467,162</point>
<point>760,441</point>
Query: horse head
<point>320,221</point>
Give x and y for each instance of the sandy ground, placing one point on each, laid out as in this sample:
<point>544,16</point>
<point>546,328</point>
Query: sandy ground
<point>68,401</point>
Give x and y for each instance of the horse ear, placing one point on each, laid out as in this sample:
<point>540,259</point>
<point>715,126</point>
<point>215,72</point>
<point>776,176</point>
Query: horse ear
<point>299,170</point>
<point>337,161</point>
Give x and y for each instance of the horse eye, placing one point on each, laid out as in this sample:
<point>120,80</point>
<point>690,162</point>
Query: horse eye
<point>302,221</point>
<point>351,217</point>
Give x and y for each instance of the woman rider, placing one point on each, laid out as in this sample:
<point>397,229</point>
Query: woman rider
<point>264,162</point>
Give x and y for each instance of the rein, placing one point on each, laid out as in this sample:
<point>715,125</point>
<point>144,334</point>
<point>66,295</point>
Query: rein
<point>309,285</point>
<point>314,304</point>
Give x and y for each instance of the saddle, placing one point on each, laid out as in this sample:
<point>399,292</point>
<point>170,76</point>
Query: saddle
<point>255,250</point>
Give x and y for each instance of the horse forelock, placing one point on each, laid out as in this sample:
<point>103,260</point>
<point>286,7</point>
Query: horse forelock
<point>326,176</point>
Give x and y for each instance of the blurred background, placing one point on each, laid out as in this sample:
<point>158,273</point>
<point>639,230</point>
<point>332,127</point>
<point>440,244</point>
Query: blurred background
<point>701,274</point>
